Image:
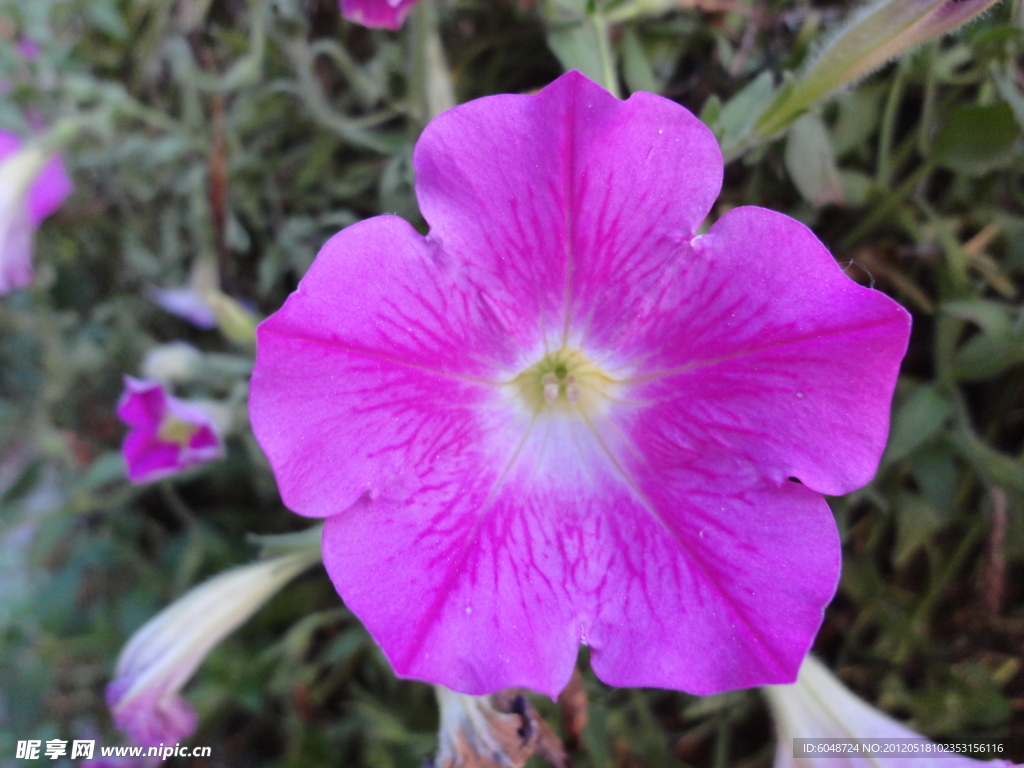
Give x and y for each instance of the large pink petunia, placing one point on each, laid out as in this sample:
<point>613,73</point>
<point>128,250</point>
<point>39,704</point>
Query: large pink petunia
<point>379,14</point>
<point>562,418</point>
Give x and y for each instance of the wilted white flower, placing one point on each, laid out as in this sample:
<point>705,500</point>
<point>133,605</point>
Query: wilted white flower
<point>819,706</point>
<point>161,656</point>
<point>32,186</point>
<point>498,731</point>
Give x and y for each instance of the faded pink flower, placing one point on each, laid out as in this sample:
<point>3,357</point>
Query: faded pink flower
<point>563,417</point>
<point>166,435</point>
<point>379,14</point>
<point>32,186</point>
<point>186,303</point>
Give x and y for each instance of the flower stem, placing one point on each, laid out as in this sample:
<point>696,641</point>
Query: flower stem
<point>602,31</point>
<point>430,78</point>
<point>884,171</point>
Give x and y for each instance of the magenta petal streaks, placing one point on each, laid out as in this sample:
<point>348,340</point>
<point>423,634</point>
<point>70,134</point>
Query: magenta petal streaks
<point>562,418</point>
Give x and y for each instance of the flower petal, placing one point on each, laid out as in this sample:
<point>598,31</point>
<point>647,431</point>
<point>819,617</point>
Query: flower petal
<point>489,576</point>
<point>148,459</point>
<point>187,304</point>
<point>766,351</point>
<point>16,235</point>
<point>375,361</point>
<point>142,403</point>
<point>49,190</point>
<point>153,717</point>
<point>377,14</point>
<point>468,579</point>
<point>564,206</point>
<point>719,577</point>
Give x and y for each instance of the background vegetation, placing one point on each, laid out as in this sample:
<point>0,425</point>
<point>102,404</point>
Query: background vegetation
<point>246,132</point>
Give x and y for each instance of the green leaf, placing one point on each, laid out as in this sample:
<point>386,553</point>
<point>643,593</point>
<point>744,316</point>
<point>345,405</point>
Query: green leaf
<point>917,421</point>
<point>916,521</point>
<point>859,114</point>
<point>738,115</point>
<point>857,186</point>
<point>636,69</point>
<point>106,16</point>
<point>988,354</point>
<point>976,139</point>
<point>576,47</point>
<point>711,112</point>
<point>936,474</point>
<point>996,468</point>
<point>811,162</point>
<point>991,316</point>
<point>997,347</point>
<point>1011,94</point>
<point>107,468</point>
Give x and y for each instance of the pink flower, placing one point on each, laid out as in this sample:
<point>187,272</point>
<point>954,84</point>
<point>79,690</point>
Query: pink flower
<point>32,186</point>
<point>819,706</point>
<point>144,696</point>
<point>562,417</point>
<point>386,14</point>
<point>166,435</point>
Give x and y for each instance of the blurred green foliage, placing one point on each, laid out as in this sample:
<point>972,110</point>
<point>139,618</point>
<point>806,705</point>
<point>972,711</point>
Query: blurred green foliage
<point>245,132</point>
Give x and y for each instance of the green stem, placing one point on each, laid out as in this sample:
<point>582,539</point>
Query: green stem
<point>430,78</point>
<point>285,543</point>
<point>956,261</point>
<point>722,737</point>
<point>938,587</point>
<point>602,31</point>
<point>885,206</point>
<point>928,108</point>
<point>892,105</point>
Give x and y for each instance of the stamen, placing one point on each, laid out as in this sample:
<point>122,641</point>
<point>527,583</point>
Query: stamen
<point>565,381</point>
<point>175,430</point>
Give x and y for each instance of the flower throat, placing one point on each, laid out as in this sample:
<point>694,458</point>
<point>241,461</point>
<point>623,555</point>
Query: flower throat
<point>564,380</point>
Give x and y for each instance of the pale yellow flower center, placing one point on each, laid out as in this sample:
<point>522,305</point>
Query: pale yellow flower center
<point>564,380</point>
<point>177,431</point>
